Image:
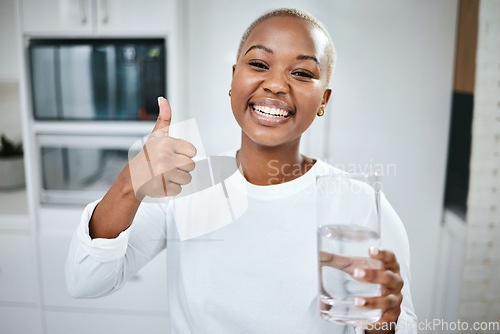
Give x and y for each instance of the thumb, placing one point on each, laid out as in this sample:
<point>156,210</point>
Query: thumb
<point>164,116</point>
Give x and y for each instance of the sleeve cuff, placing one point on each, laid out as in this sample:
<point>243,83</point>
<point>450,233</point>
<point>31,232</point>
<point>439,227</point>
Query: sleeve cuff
<point>406,323</point>
<point>100,249</point>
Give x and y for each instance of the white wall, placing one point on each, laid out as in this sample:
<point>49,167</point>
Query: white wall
<point>390,105</point>
<point>9,56</point>
<point>393,95</point>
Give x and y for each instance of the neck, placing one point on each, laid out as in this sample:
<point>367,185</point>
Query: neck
<point>264,165</point>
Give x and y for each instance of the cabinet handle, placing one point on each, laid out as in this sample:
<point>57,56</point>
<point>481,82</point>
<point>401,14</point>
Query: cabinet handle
<point>104,8</point>
<point>135,278</point>
<point>83,12</point>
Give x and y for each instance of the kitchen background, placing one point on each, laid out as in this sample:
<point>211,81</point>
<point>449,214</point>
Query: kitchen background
<point>391,111</point>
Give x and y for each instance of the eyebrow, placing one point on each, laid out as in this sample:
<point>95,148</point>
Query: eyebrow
<point>268,50</point>
<point>304,57</point>
<point>258,46</point>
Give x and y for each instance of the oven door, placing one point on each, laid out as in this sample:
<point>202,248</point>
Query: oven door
<point>80,169</point>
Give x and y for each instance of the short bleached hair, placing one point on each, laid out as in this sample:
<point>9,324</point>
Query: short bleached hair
<point>299,14</point>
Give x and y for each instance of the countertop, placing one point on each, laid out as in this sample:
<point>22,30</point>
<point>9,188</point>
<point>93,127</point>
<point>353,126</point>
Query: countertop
<point>13,203</point>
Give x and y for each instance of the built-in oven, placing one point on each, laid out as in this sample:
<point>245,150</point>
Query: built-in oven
<point>97,79</point>
<point>92,98</point>
<point>80,169</point>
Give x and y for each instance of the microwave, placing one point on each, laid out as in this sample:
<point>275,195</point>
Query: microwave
<point>97,79</point>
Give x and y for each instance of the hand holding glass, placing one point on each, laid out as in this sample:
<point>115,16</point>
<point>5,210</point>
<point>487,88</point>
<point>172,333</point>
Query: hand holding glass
<point>348,213</point>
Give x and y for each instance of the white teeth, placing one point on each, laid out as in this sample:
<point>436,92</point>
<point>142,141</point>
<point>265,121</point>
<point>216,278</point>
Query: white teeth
<point>268,111</point>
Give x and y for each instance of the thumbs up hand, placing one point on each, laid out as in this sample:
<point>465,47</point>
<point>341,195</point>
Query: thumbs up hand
<point>164,163</point>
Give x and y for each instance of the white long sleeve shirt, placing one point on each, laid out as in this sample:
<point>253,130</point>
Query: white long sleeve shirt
<point>241,258</point>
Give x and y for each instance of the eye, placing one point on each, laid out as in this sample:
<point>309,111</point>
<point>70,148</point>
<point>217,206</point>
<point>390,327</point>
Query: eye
<point>258,64</point>
<point>303,74</point>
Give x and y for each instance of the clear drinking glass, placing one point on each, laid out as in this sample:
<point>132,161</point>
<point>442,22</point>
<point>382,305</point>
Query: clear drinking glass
<point>348,213</point>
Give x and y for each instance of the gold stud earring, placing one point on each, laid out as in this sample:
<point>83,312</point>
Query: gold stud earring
<point>229,93</point>
<point>321,110</point>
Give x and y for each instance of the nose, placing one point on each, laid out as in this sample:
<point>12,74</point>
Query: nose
<point>276,82</point>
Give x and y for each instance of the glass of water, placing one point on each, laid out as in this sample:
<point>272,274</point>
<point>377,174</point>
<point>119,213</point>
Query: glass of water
<point>348,213</point>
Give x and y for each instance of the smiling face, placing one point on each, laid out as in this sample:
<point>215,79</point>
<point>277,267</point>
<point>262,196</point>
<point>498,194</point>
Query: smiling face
<point>280,81</point>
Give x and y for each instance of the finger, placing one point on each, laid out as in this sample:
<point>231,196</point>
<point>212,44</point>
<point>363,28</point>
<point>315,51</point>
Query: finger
<point>383,303</point>
<point>184,147</point>
<point>168,161</point>
<point>173,189</point>
<point>184,163</point>
<point>178,176</point>
<point>388,279</point>
<point>324,306</point>
<point>164,117</point>
<point>154,187</point>
<point>181,162</point>
<point>387,257</point>
<point>391,315</point>
<point>337,261</point>
<point>347,263</point>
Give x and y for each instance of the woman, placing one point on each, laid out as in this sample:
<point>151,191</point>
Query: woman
<point>256,272</point>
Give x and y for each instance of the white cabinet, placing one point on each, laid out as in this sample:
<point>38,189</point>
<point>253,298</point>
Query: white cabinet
<point>132,16</point>
<point>33,294</point>
<point>18,271</point>
<point>94,16</point>
<point>141,306</point>
<point>19,293</point>
<point>20,320</point>
<point>50,16</point>
<point>145,292</point>
<point>14,211</point>
<point>59,322</point>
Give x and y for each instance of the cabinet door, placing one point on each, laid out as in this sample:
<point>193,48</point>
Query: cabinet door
<point>145,292</point>
<point>59,322</point>
<point>132,16</point>
<point>56,16</point>
<point>18,277</point>
<point>20,320</point>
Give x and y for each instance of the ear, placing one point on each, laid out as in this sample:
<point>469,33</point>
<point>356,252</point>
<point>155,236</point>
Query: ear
<point>326,96</point>
<point>234,69</point>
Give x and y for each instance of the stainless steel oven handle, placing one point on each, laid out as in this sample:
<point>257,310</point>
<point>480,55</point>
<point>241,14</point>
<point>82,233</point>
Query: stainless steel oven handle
<point>83,12</point>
